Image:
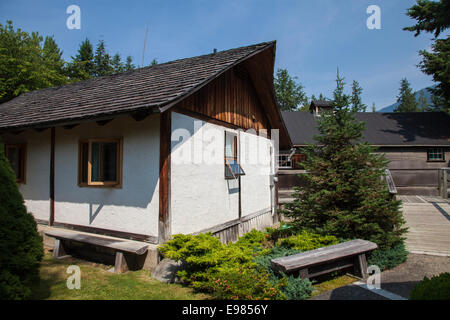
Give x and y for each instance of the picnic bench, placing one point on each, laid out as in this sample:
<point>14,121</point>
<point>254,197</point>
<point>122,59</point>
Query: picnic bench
<point>324,260</point>
<point>124,250</point>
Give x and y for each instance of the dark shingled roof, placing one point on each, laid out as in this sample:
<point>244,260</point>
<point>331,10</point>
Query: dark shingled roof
<point>382,129</point>
<point>151,88</point>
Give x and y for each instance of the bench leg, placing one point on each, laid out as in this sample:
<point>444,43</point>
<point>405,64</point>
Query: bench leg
<point>361,266</point>
<point>304,274</point>
<point>121,263</point>
<point>58,250</point>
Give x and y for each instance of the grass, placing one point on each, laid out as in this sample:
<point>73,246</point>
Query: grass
<point>97,283</point>
<point>332,283</point>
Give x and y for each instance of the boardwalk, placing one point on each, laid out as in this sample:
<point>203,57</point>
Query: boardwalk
<point>428,220</point>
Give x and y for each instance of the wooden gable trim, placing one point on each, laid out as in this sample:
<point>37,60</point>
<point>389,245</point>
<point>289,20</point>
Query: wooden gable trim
<point>217,75</point>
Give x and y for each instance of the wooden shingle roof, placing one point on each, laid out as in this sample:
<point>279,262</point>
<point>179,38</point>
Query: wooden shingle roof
<point>149,89</point>
<point>381,129</point>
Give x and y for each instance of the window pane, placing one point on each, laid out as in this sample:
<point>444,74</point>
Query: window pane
<point>109,161</point>
<point>230,146</point>
<point>95,162</point>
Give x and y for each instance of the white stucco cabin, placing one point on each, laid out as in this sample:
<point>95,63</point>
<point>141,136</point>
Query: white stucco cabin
<point>182,147</point>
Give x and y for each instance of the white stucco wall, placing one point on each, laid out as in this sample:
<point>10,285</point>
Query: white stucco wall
<point>35,191</point>
<point>256,162</point>
<point>201,197</point>
<point>134,207</point>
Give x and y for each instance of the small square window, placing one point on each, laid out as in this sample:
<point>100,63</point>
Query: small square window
<point>435,154</point>
<point>16,155</point>
<point>100,162</point>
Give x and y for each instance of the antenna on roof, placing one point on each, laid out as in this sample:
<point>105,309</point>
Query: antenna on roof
<point>145,41</point>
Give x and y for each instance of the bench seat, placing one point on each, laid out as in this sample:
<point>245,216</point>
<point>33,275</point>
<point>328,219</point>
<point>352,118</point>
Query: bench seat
<point>327,259</point>
<point>122,248</point>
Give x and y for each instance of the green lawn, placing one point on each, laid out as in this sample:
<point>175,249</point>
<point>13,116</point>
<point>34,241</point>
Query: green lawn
<point>100,284</point>
<point>97,283</point>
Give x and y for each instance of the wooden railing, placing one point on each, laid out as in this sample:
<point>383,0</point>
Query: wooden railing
<point>443,176</point>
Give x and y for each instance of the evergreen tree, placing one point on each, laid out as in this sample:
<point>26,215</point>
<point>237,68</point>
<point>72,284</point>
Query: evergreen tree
<point>21,248</point>
<point>434,17</point>
<point>406,98</point>
<point>129,64</point>
<point>117,64</point>
<point>82,65</point>
<point>154,62</point>
<point>54,62</point>
<point>422,102</point>
<point>437,64</point>
<point>290,94</point>
<point>355,99</point>
<point>102,61</point>
<point>345,193</point>
<point>373,107</point>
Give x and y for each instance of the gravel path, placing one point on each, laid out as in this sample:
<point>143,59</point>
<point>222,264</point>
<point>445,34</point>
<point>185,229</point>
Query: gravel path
<point>400,280</point>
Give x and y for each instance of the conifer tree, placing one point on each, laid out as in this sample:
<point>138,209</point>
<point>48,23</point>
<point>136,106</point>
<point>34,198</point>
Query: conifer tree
<point>82,65</point>
<point>117,64</point>
<point>345,194</point>
<point>21,248</point>
<point>129,64</point>
<point>406,98</point>
<point>290,94</point>
<point>102,60</point>
<point>355,99</point>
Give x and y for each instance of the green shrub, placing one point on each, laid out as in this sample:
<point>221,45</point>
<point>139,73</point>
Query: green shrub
<point>21,248</point>
<point>210,265</point>
<point>294,288</point>
<point>307,241</point>
<point>436,288</point>
<point>388,259</point>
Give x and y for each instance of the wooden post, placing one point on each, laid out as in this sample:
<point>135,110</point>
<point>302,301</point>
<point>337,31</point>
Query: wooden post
<point>58,249</point>
<point>52,177</point>
<point>445,184</point>
<point>165,129</point>
<point>120,265</point>
<point>361,265</point>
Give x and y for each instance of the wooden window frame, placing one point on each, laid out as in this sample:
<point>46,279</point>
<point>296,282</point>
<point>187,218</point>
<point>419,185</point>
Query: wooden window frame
<point>429,150</point>
<point>235,156</point>
<point>119,164</point>
<point>23,160</point>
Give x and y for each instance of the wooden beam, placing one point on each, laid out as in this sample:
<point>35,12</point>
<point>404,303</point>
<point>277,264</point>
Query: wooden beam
<point>104,122</point>
<point>164,226</point>
<point>70,126</point>
<point>52,177</point>
<point>40,129</point>
<point>141,115</point>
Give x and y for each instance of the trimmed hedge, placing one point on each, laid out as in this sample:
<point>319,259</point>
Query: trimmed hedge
<point>21,248</point>
<point>436,288</point>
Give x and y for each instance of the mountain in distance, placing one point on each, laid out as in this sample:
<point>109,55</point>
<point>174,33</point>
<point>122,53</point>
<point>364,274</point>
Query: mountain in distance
<point>392,107</point>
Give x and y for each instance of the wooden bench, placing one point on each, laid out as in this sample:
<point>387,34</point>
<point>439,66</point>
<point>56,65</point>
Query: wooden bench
<point>122,248</point>
<point>324,260</point>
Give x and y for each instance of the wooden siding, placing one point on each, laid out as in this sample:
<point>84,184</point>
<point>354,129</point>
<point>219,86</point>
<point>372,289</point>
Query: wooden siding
<point>231,98</point>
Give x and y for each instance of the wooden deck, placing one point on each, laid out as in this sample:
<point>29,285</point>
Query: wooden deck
<point>428,220</point>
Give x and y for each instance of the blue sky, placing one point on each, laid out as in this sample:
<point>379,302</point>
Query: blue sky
<point>313,37</point>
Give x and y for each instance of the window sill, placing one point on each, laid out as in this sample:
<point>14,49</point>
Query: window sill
<point>111,186</point>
